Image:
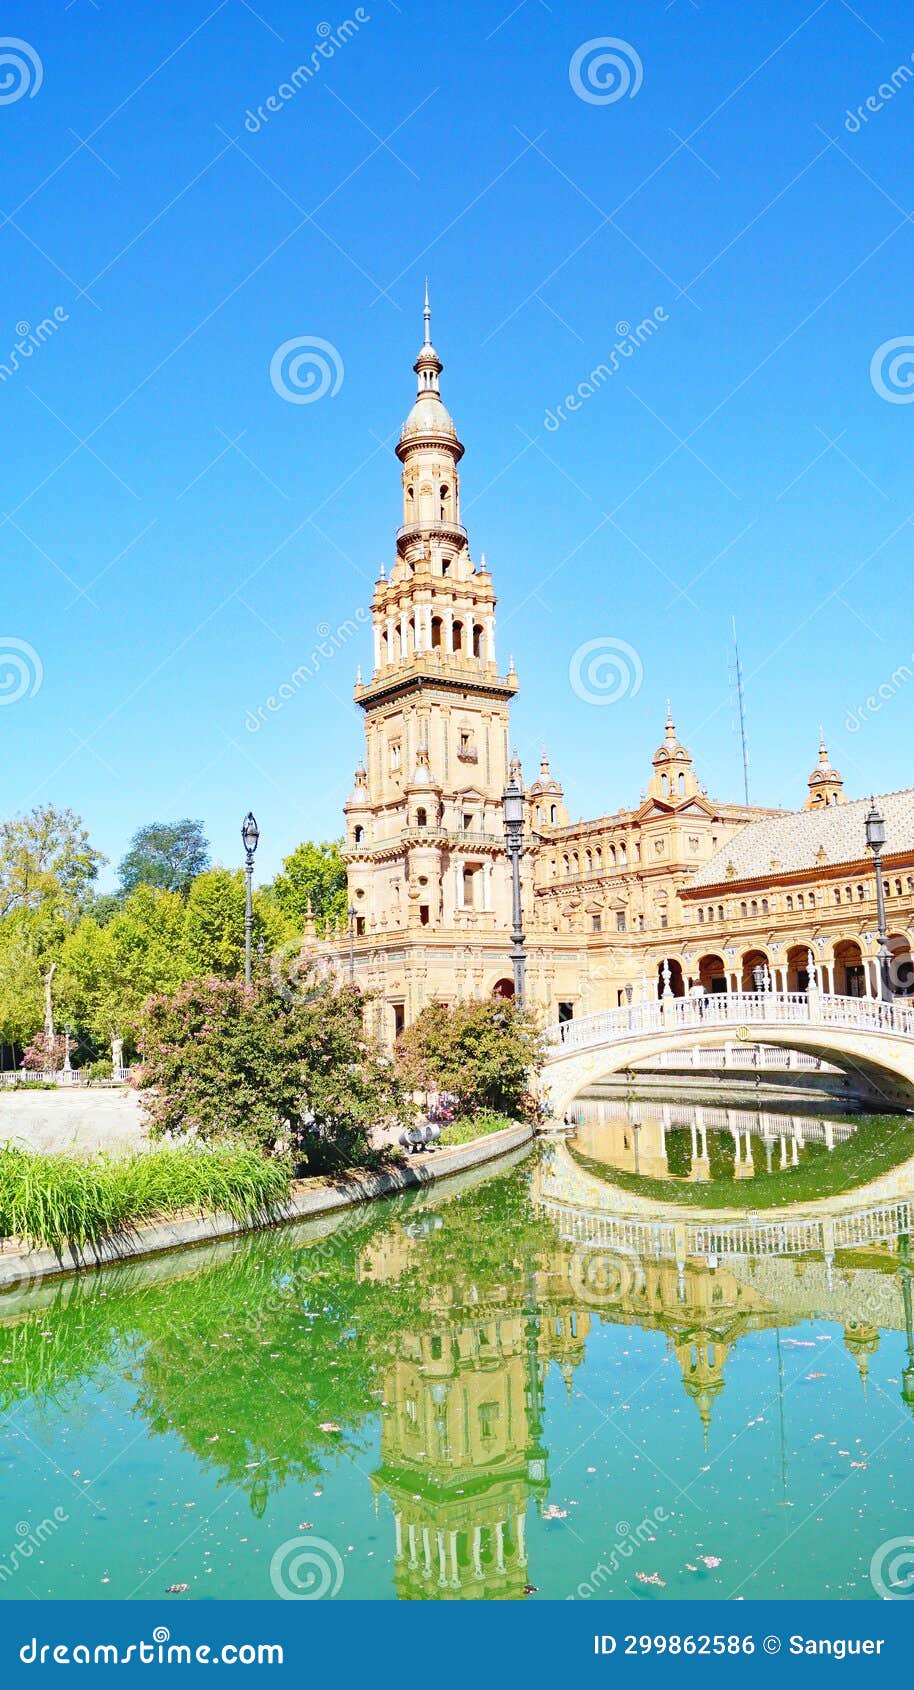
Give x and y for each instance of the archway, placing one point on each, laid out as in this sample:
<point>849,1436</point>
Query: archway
<point>677,983</point>
<point>901,966</point>
<point>712,973</point>
<point>503,988</point>
<point>848,970</point>
<point>798,968</point>
<point>751,961</point>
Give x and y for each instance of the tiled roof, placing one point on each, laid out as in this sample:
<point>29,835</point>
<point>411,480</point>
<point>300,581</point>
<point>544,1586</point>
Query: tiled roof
<point>795,839</point>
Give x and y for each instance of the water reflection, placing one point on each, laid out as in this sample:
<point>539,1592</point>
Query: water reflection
<point>411,1355</point>
<point>700,1142</point>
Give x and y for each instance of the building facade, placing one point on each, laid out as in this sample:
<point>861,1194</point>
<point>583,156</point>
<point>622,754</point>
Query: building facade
<point>679,890</point>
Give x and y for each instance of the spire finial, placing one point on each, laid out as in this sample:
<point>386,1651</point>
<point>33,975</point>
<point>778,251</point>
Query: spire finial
<point>823,748</point>
<point>427,314</point>
<point>670,725</point>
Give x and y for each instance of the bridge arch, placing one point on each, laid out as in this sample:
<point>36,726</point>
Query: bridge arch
<point>874,1040</point>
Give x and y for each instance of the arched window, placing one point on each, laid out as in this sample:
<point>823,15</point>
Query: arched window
<point>754,907</point>
<point>598,859</point>
<point>422,818</point>
<point>478,636</point>
<point>437,633</point>
<point>622,857</point>
<point>801,901</point>
<point>764,906</point>
<point>588,862</point>
<point>444,501</point>
<point>359,836</point>
<point>425,504</point>
<point>664,784</point>
<point>789,901</point>
<point>743,911</point>
<point>458,637</point>
<point>611,852</point>
<point>553,815</point>
<point>566,866</point>
<point>701,916</point>
<point>682,783</point>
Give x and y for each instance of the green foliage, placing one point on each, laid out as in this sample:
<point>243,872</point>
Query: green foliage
<point>465,1128</point>
<point>167,855</point>
<point>483,1052</point>
<point>57,1200</point>
<point>46,856</point>
<point>315,876</point>
<point>253,1064</point>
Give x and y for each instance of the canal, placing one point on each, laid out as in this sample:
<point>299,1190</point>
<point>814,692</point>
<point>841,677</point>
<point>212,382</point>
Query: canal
<point>517,1386</point>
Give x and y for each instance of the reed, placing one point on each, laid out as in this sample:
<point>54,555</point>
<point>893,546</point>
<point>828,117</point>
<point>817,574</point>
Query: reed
<point>57,1200</point>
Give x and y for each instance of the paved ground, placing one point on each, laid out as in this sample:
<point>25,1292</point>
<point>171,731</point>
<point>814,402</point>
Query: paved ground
<point>72,1120</point>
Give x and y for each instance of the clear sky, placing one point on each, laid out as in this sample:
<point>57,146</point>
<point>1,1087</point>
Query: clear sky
<point>175,533</point>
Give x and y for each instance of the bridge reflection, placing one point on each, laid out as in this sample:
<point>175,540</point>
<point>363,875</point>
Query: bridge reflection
<point>648,1137</point>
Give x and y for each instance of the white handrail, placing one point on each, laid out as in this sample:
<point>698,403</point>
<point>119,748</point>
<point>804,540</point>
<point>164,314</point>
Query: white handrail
<point>723,1009</point>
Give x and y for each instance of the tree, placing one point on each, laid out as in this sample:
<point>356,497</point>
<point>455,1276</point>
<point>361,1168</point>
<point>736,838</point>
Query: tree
<point>213,939</point>
<point>313,877</point>
<point>106,973</point>
<point>247,1062</point>
<point>46,855</point>
<point>165,854</point>
<point>483,1052</point>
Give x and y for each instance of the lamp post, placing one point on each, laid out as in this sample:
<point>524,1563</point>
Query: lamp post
<point>351,914</point>
<point>514,844</point>
<point>250,834</point>
<point>875,839</point>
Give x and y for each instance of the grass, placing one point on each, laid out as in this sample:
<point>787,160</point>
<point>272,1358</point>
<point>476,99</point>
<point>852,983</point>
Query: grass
<point>467,1127</point>
<point>59,1200</point>
<point>879,1144</point>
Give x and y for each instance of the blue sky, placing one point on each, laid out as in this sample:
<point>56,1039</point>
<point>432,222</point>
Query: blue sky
<point>174,533</point>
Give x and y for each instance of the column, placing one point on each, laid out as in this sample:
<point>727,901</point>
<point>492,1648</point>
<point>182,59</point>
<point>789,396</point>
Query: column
<point>377,646</point>
<point>390,639</point>
<point>398,1537</point>
<point>487,884</point>
<point>520,1528</point>
<point>455,1574</point>
<point>442,1563</point>
<point>500,1545</point>
<point>404,635</point>
<point>413,1557</point>
<point>449,631</point>
<point>477,1552</point>
<point>489,648</point>
<point>427,1551</point>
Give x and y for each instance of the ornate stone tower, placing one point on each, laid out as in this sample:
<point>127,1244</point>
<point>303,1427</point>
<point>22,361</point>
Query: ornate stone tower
<point>825,783</point>
<point>425,842</point>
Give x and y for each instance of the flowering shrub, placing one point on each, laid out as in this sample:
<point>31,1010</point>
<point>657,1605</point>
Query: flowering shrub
<point>45,1053</point>
<point>482,1053</point>
<point>295,1071</point>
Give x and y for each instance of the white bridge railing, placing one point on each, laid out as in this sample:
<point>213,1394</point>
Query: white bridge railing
<point>881,1223</point>
<point>727,1009</point>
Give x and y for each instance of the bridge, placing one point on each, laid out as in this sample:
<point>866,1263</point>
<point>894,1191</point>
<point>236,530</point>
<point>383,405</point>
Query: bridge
<point>872,1040</point>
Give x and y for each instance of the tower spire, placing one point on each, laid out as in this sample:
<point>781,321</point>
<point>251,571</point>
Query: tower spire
<point>427,314</point>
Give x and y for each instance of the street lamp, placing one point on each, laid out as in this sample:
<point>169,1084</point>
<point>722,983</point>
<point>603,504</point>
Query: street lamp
<point>514,844</point>
<point>351,914</point>
<point>250,834</point>
<point>875,839</point>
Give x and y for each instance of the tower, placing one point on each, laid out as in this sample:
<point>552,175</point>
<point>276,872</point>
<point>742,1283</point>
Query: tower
<point>825,784</point>
<point>425,843</point>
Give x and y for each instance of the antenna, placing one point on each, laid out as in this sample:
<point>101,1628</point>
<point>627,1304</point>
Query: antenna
<point>737,673</point>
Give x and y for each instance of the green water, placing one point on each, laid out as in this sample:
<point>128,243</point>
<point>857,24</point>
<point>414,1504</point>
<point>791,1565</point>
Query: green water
<point>441,1400</point>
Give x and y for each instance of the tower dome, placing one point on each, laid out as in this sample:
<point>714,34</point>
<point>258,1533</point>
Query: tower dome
<point>826,785</point>
<point>429,421</point>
